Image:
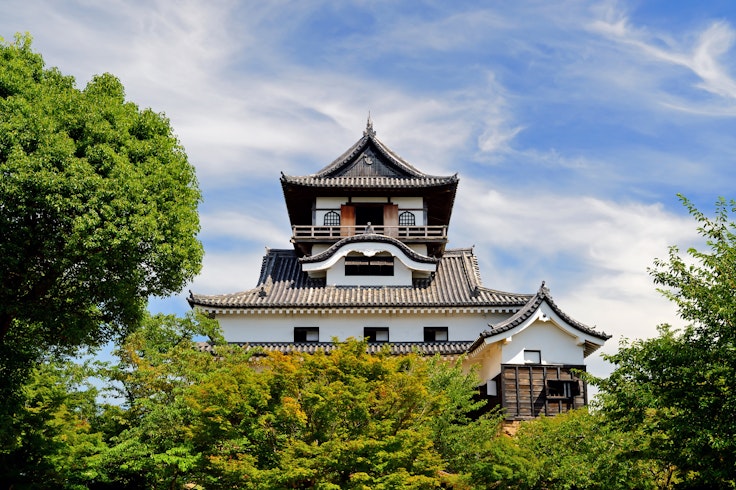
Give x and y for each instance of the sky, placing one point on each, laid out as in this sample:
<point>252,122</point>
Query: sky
<point>573,125</point>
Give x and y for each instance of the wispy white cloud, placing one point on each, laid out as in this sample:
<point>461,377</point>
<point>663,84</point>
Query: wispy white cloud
<point>598,250</point>
<point>228,272</point>
<point>702,54</point>
<point>238,226</point>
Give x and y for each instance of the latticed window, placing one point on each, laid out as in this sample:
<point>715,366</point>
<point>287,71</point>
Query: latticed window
<point>332,219</point>
<point>407,219</point>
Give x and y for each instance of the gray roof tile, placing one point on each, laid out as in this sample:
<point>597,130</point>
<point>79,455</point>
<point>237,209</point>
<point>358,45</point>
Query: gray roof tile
<point>283,284</point>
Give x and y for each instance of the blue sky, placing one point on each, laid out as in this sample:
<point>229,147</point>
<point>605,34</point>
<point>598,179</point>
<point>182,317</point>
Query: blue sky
<point>572,124</point>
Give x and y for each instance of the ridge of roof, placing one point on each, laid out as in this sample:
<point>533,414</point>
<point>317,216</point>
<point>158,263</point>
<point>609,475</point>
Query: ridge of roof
<point>411,174</point>
<point>369,237</point>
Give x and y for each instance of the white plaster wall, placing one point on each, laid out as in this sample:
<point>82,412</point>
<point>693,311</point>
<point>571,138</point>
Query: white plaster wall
<point>370,199</point>
<point>336,276</point>
<point>489,363</point>
<point>326,204</point>
<point>403,327</point>
<point>419,248</point>
<point>330,202</point>
<point>318,248</point>
<point>409,202</point>
<point>555,345</point>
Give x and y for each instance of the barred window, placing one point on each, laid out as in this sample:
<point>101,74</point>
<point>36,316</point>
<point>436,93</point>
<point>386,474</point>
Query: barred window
<point>407,219</point>
<point>332,219</point>
<point>559,388</point>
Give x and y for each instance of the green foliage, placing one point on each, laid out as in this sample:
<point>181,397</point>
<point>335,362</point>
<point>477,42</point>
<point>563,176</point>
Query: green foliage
<point>677,389</point>
<point>98,211</point>
<point>579,449</point>
<point>53,443</point>
<point>240,419</point>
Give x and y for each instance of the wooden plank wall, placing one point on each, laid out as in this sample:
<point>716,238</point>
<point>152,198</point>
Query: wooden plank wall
<point>524,390</point>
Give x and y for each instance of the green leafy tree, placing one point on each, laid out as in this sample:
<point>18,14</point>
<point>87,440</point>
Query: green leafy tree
<point>678,388</point>
<point>241,419</point>
<point>98,211</point>
<point>149,437</point>
<point>56,443</point>
<point>580,449</point>
<point>475,452</point>
<point>353,420</point>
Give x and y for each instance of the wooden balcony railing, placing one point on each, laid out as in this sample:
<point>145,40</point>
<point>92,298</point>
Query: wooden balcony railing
<point>334,233</point>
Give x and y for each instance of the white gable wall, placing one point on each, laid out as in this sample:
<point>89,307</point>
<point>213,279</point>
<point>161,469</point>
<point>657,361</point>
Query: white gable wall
<point>488,362</point>
<point>555,345</point>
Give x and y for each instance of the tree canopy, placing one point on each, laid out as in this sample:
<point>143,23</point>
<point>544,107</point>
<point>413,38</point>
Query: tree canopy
<point>98,209</point>
<point>678,388</point>
<point>243,419</point>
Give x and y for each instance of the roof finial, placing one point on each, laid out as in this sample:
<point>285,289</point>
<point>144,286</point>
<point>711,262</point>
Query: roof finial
<point>369,127</point>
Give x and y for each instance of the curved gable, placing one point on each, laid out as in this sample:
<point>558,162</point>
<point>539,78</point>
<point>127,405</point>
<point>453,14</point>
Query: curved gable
<point>542,308</point>
<point>399,264</point>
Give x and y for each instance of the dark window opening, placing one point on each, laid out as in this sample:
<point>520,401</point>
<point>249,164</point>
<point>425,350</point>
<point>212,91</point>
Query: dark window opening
<point>407,219</point>
<point>332,219</point>
<point>435,334</point>
<point>306,334</point>
<point>369,266</point>
<point>369,214</point>
<point>373,334</point>
<point>559,388</point>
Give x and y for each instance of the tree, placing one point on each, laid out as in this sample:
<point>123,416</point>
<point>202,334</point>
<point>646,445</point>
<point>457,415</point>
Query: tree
<point>98,211</point>
<point>242,419</point>
<point>149,436</point>
<point>579,449</point>
<point>678,388</point>
<point>55,441</point>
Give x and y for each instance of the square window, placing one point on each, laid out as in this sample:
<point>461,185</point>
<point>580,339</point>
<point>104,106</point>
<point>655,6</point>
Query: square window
<point>533,357</point>
<point>375,334</point>
<point>435,334</point>
<point>306,334</point>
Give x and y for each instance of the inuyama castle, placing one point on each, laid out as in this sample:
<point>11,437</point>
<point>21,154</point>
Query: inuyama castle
<point>369,260</point>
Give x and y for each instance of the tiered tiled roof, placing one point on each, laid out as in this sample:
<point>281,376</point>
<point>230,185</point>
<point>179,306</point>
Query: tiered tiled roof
<point>283,284</point>
<point>528,310</point>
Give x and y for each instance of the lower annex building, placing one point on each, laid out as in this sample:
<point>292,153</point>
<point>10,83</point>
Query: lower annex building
<point>369,261</point>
